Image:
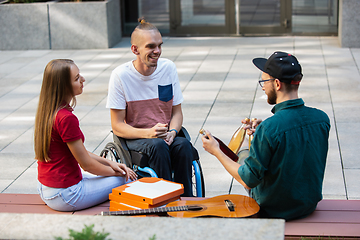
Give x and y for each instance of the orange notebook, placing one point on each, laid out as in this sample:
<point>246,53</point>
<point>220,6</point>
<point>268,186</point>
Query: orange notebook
<point>115,206</point>
<point>137,204</point>
<point>149,190</point>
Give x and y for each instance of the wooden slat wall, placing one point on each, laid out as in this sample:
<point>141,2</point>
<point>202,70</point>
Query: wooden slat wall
<point>32,203</point>
<point>335,218</point>
<point>332,218</point>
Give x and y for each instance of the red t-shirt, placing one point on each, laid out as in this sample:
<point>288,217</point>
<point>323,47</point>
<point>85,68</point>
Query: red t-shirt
<point>62,170</point>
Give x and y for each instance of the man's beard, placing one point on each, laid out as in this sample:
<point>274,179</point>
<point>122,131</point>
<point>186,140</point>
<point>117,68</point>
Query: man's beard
<point>272,96</point>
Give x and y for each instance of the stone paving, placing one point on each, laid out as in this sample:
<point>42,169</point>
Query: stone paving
<point>219,84</point>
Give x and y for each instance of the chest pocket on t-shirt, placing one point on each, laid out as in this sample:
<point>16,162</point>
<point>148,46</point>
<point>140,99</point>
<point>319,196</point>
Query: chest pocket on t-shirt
<point>165,93</point>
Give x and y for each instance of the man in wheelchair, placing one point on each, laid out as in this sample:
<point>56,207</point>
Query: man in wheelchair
<point>145,106</point>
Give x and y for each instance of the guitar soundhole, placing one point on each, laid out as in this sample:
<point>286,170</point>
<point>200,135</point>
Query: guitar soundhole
<point>194,208</point>
<point>230,205</point>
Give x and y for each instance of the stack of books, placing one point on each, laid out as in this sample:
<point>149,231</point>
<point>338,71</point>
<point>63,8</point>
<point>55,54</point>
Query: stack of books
<point>144,193</point>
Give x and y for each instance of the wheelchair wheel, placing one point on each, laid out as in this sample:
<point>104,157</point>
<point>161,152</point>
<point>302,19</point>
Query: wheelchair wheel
<point>198,183</point>
<point>112,152</point>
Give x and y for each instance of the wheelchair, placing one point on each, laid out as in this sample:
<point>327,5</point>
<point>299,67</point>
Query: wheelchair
<point>119,152</point>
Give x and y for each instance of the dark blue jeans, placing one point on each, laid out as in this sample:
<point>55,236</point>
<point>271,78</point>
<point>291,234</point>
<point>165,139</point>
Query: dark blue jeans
<point>164,159</point>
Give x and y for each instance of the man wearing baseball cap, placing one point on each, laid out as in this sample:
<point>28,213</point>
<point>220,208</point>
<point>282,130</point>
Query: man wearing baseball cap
<point>285,168</point>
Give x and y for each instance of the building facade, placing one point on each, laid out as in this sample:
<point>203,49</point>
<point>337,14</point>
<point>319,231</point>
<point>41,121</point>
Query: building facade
<point>103,23</point>
<point>234,17</point>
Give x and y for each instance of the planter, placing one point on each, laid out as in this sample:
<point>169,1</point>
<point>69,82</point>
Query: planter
<point>24,26</point>
<point>349,21</point>
<point>60,25</point>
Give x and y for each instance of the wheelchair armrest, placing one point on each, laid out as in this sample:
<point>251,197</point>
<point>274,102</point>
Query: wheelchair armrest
<point>124,151</point>
<point>120,141</point>
<point>184,133</point>
<point>134,157</point>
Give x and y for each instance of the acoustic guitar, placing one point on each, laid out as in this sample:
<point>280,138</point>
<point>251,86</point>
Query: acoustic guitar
<point>226,206</point>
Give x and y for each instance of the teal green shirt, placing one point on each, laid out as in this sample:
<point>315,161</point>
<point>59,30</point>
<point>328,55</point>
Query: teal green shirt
<point>286,163</point>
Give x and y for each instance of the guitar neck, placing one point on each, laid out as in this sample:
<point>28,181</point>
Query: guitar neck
<point>146,211</point>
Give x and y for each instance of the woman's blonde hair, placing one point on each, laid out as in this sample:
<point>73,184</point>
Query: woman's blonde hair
<point>56,88</point>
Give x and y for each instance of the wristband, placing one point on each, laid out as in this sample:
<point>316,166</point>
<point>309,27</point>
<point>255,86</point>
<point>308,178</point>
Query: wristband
<point>174,131</point>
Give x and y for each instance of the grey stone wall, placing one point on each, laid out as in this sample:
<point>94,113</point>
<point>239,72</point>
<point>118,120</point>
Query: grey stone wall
<point>349,23</point>
<point>24,26</point>
<point>60,25</point>
<point>113,22</point>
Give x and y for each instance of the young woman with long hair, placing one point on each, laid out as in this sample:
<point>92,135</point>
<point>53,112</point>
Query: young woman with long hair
<point>59,146</point>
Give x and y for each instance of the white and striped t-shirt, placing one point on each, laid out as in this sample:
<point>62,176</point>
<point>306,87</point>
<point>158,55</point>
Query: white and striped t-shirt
<point>148,100</point>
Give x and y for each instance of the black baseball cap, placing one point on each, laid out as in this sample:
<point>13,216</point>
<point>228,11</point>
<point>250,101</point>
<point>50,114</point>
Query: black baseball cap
<point>280,65</point>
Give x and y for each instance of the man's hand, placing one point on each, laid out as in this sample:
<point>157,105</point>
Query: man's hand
<point>170,137</point>
<point>210,144</point>
<point>251,126</point>
<point>159,131</point>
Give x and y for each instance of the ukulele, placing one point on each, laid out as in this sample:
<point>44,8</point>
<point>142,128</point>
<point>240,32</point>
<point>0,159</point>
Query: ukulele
<point>226,206</point>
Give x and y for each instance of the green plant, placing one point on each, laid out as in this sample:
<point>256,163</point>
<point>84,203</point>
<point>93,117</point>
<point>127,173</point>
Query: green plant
<point>86,234</point>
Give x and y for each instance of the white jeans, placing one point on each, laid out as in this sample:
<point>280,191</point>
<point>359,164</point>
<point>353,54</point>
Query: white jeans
<point>90,191</point>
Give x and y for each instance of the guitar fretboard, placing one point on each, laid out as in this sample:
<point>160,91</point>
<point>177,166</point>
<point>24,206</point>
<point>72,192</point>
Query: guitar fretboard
<point>153,210</point>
